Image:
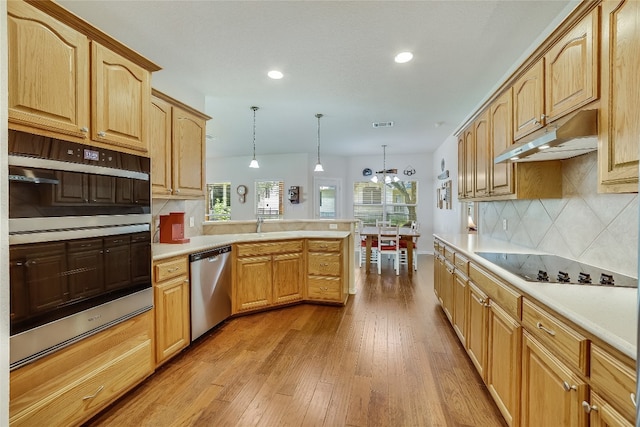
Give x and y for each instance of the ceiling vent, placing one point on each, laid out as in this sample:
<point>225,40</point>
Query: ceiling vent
<point>382,124</point>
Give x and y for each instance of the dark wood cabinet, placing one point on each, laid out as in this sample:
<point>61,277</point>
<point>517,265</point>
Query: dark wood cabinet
<point>47,288</point>
<point>117,258</point>
<point>85,268</point>
<point>140,256</point>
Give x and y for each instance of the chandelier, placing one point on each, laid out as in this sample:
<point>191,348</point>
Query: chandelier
<point>388,175</point>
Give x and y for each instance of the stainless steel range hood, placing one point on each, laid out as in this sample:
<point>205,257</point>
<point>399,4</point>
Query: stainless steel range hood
<point>567,137</point>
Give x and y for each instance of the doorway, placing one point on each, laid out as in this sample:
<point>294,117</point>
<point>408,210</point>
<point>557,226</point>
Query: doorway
<point>327,198</point>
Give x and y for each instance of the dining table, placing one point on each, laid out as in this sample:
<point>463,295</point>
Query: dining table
<point>407,234</point>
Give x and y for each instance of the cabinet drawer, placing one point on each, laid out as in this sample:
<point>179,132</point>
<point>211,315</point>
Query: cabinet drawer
<point>461,263</point>
<point>172,268</point>
<point>324,264</point>
<point>325,288</point>
<point>558,336</point>
<point>325,245</point>
<point>509,300</point>
<point>82,399</point>
<point>269,248</point>
<point>448,254</point>
<point>613,379</point>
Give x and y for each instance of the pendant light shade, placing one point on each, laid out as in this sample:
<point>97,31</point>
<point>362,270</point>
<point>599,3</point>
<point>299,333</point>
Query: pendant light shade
<point>318,167</point>
<point>388,175</point>
<point>254,163</point>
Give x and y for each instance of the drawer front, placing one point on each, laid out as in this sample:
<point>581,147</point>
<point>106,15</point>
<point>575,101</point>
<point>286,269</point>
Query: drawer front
<point>325,288</point>
<point>269,248</point>
<point>461,263</point>
<point>613,379</point>
<point>86,397</point>
<point>557,335</point>
<point>508,299</point>
<point>448,254</point>
<point>324,264</point>
<point>324,245</point>
<point>175,267</point>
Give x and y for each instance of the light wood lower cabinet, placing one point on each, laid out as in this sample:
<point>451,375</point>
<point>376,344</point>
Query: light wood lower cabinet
<point>615,379</point>
<point>446,289</point>
<point>288,277</point>
<point>75,383</point>
<point>172,315</point>
<point>478,317</point>
<point>460,310</point>
<point>552,394</point>
<point>602,414</point>
<point>326,267</point>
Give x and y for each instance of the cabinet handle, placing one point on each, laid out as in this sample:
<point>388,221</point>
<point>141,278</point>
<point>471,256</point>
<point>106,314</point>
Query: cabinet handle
<point>542,328</point>
<point>480,301</point>
<point>633,400</point>
<point>567,387</point>
<point>588,408</point>
<point>171,270</point>
<point>84,129</point>
<point>169,190</point>
<point>107,251</point>
<point>30,263</point>
<point>324,264</point>
<point>91,396</point>
<point>102,134</point>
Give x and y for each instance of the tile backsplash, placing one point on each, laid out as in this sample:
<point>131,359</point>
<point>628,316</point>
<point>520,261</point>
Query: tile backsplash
<point>598,229</point>
<point>191,208</point>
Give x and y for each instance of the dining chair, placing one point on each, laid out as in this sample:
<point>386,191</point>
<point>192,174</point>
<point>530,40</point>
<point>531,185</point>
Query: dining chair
<point>361,242</point>
<point>389,244</point>
<point>404,258</point>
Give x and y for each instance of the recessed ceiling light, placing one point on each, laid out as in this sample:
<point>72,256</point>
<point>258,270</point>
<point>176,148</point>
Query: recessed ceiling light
<point>275,74</point>
<point>403,57</point>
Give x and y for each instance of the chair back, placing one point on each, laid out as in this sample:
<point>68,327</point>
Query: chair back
<point>388,237</point>
<point>381,223</point>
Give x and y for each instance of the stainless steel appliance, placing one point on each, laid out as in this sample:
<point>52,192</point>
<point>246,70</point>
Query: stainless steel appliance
<point>79,242</point>
<point>210,289</point>
<point>555,269</point>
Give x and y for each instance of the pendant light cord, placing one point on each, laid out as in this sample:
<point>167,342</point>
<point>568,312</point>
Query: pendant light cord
<point>318,116</point>
<point>254,131</point>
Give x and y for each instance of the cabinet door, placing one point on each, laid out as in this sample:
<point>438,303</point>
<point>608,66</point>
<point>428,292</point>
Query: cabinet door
<point>619,126</point>
<point>571,69</point>
<point>120,100</point>
<point>160,145</point>
<point>436,275</point>
<point>117,263</point>
<point>460,307</point>
<point>481,156</point>
<point>551,393</point>
<point>48,286</point>
<point>288,277</point>
<point>504,349</point>
<point>254,283</point>
<point>85,265</point>
<point>140,256</point>
<point>72,189</point>
<point>188,153</point>
<point>461,168</point>
<point>48,72</point>
<point>172,317</point>
<point>528,101</point>
<point>477,329</point>
<point>446,288</point>
<point>469,162</point>
<point>501,138</point>
<point>102,189</point>
<point>601,414</point>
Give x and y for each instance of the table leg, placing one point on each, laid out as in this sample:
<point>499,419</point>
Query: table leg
<point>410,255</point>
<point>368,254</point>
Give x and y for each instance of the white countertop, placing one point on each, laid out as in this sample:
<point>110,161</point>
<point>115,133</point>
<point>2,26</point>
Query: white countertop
<point>609,313</point>
<point>201,243</point>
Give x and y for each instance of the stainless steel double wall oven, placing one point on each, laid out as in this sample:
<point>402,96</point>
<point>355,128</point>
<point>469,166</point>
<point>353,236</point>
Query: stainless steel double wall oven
<point>80,242</point>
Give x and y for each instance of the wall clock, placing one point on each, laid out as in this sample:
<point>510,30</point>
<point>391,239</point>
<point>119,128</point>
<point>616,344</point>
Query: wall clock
<point>242,192</point>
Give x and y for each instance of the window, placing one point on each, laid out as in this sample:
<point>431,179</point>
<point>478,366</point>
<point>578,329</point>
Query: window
<point>269,195</point>
<point>395,202</point>
<point>219,201</point>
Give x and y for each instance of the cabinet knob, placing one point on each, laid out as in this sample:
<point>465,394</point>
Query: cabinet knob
<point>84,129</point>
<point>588,408</point>
<point>178,191</point>
<point>169,190</point>
<point>102,134</point>
<point>633,400</point>
<point>567,387</point>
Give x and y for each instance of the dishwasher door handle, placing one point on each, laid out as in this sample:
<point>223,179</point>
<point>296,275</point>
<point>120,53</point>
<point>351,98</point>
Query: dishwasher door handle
<point>213,258</point>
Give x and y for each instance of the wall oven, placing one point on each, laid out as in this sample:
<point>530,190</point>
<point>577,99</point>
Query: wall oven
<point>79,242</point>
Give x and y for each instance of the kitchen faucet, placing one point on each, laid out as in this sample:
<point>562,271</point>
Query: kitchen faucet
<point>259,222</point>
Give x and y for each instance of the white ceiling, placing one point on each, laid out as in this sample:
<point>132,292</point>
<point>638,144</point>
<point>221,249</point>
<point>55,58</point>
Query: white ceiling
<point>337,58</point>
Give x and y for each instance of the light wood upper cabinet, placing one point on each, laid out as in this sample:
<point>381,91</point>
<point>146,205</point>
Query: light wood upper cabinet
<point>619,125</point>
<point>177,149</point>
<point>571,69</point>
<point>469,162</point>
<point>528,101</point>
<point>481,155</point>
<point>48,73</point>
<point>71,81</point>
<point>120,99</point>
<point>501,137</point>
<point>462,173</point>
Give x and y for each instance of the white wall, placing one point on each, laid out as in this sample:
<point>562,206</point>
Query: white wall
<point>4,230</point>
<point>448,221</point>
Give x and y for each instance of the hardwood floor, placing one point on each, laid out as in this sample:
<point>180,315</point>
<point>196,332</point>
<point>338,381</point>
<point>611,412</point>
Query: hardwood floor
<point>389,358</point>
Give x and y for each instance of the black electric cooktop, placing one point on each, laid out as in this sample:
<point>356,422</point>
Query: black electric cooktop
<point>555,269</point>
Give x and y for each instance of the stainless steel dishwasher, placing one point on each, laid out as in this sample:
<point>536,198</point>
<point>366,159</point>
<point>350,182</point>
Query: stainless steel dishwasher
<point>210,289</point>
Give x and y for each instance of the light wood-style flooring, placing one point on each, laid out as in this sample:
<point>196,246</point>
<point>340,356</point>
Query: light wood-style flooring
<point>389,358</point>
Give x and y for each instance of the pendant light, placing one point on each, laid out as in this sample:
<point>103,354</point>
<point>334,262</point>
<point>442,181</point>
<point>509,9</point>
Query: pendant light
<point>386,173</point>
<point>318,167</point>
<point>254,163</point>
